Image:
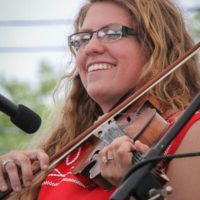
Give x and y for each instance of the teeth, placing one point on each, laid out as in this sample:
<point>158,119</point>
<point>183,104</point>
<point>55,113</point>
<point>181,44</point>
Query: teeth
<point>102,66</point>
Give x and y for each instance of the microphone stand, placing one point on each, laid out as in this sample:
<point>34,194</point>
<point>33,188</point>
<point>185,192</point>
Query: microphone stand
<point>141,183</point>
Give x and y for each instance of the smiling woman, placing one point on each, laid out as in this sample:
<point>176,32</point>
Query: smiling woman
<point>118,46</point>
<point>106,51</point>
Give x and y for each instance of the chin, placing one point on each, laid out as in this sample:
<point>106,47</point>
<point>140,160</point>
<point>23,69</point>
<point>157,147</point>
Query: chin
<point>96,94</point>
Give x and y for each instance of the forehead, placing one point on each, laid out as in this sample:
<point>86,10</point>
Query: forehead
<point>103,13</point>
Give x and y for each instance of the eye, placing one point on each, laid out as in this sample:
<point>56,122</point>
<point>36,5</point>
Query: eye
<point>101,34</point>
<point>75,42</point>
<point>85,38</point>
<point>79,39</point>
<point>113,35</point>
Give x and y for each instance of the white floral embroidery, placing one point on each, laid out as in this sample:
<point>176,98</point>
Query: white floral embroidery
<point>63,177</point>
<point>54,184</point>
<point>58,174</point>
<point>50,183</point>
<point>68,162</point>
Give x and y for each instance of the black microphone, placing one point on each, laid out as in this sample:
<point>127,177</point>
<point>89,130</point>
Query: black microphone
<point>20,115</point>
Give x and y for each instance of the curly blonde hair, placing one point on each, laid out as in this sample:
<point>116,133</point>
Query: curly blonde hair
<point>161,30</point>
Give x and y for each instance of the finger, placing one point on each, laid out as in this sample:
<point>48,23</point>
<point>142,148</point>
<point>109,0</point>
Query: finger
<point>143,148</point>
<point>26,168</point>
<point>125,147</point>
<point>124,155</point>
<point>104,151</point>
<point>119,148</point>
<point>109,159</point>
<point>102,156</point>
<point>122,145</point>
<point>3,184</point>
<point>13,175</point>
<point>120,140</point>
<point>41,156</point>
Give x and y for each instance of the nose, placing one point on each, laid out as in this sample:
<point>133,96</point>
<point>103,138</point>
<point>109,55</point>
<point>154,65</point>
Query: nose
<point>94,46</point>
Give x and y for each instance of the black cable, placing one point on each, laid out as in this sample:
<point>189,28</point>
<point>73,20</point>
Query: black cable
<point>158,158</point>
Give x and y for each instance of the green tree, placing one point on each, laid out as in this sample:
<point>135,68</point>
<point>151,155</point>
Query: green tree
<point>36,98</point>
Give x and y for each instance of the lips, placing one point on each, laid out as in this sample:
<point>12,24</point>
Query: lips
<point>100,66</point>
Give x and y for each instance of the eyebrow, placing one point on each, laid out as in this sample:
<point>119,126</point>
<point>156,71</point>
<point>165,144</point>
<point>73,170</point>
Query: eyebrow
<point>85,30</point>
<point>90,30</point>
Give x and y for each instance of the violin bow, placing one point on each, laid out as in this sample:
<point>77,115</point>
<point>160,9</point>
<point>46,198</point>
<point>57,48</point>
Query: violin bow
<point>76,142</point>
<point>85,135</point>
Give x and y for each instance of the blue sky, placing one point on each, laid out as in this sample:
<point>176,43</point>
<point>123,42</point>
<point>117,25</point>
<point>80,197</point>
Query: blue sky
<point>24,65</point>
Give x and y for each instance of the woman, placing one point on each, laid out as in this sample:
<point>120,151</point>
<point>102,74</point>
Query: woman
<point>118,45</point>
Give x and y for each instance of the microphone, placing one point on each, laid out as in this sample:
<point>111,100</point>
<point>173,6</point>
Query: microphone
<point>20,115</point>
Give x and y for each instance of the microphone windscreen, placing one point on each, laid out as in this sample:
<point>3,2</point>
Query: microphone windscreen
<point>26,119</point>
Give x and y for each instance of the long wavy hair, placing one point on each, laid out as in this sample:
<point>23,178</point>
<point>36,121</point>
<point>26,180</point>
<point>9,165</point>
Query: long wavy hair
<point>161,30</point>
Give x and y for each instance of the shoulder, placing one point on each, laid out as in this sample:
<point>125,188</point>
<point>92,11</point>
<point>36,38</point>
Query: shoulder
<point>184,173</point>
<point>195,118</point>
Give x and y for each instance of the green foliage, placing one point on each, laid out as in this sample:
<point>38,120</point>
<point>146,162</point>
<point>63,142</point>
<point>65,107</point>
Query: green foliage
<point>13,138</point>
<point>194,25</point>
<point>34,97</point>
<point>197,23</point>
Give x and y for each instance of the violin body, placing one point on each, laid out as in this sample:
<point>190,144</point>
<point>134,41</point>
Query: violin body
<point>141,122</point>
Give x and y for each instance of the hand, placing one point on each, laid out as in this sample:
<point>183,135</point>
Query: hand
<point>15,163</point>
<point>116,159</point>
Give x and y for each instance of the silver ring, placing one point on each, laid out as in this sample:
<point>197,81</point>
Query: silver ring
<point>5,162</point>
<point>110,156</point>
<point>106,159</point>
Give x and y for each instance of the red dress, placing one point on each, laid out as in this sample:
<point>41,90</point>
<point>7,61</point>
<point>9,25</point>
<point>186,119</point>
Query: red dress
<point>61,184</point>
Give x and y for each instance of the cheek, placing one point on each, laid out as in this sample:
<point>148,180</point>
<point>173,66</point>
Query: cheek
<point>82,76</point>
<point>80,60</point>
<point>132,60</point>
<point>80,70</point>
<point>131,64</point>
<point>80,63</point>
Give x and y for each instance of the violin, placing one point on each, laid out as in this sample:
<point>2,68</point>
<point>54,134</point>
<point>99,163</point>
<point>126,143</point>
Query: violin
<point>126,122</point>
<point>139,122</point>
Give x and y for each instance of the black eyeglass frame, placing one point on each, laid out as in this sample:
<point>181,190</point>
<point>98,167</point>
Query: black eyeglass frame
<point>125,31</point>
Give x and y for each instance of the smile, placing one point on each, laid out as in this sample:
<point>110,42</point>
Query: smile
<point>102,66</point>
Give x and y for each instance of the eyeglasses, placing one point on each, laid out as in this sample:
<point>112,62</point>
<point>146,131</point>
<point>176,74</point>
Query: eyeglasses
<point>109,33</point>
